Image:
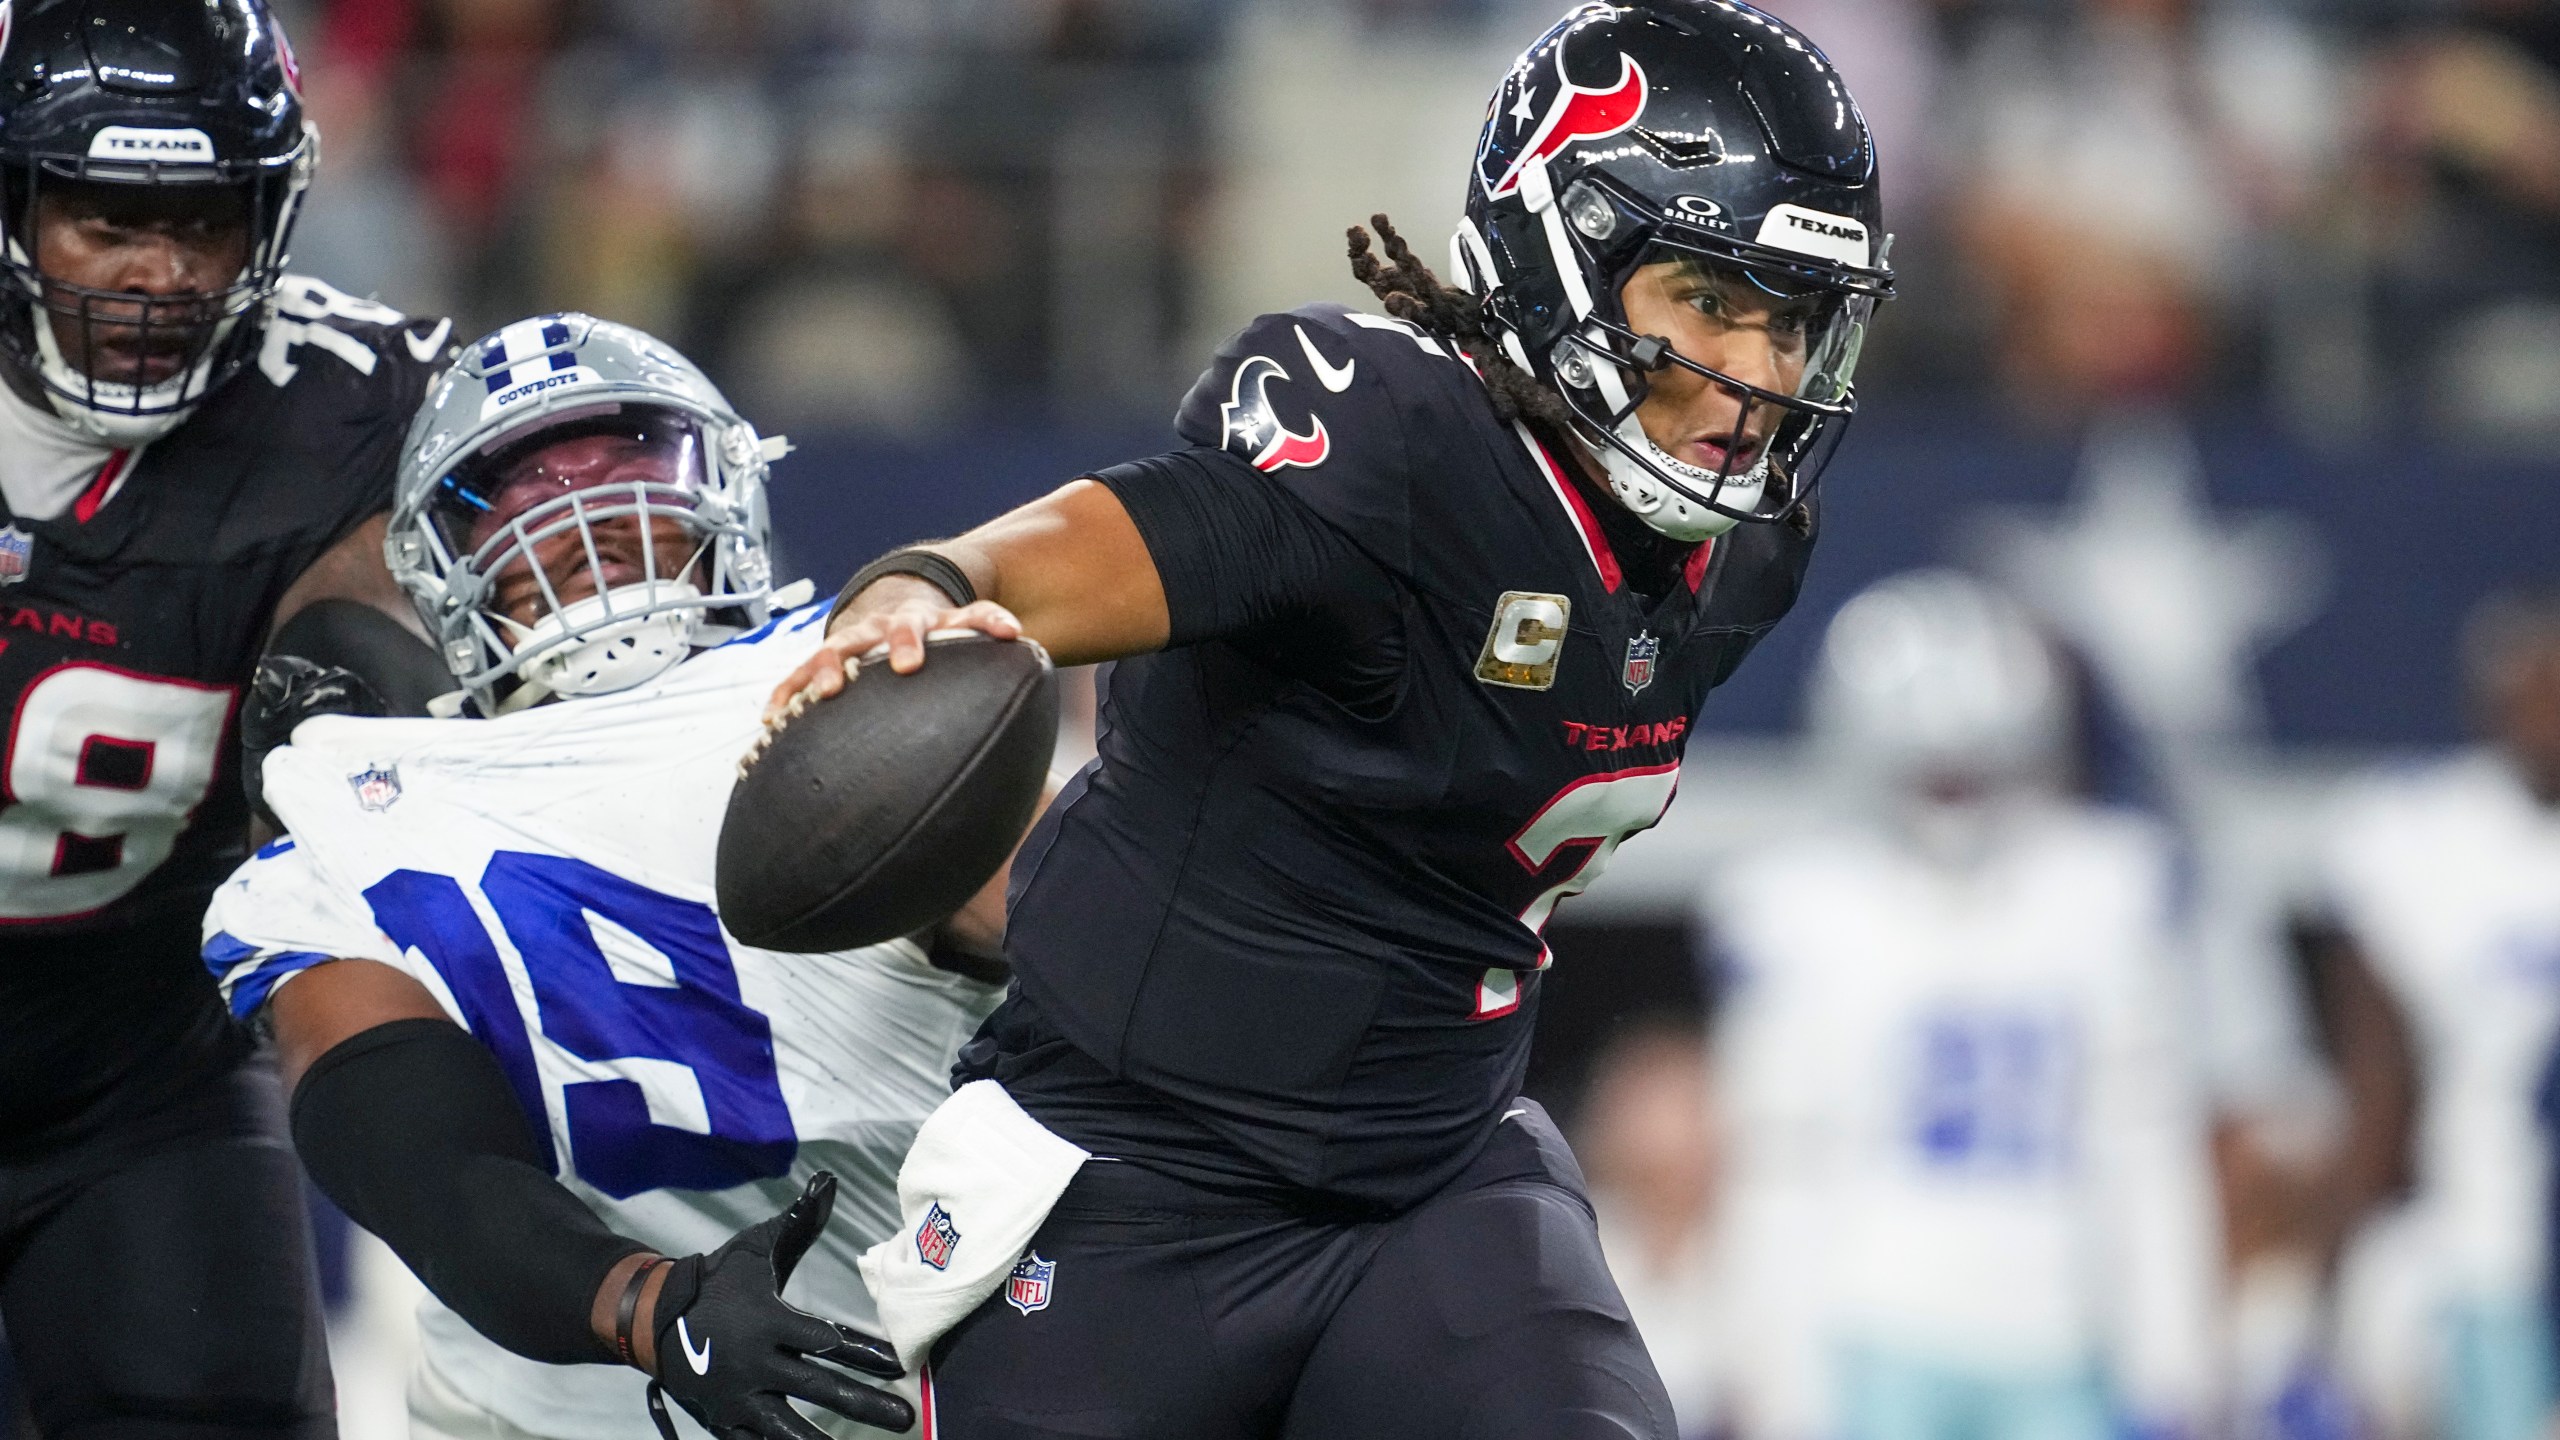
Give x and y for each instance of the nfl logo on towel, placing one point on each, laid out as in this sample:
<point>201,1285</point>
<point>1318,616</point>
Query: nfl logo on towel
<point>17,549</point>
<point>376,788</point>
<point>1640,656</point>
<point>937,1237</point>
<point>1028,1290</point>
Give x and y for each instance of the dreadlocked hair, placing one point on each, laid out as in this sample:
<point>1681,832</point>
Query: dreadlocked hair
<point>1414,295</point>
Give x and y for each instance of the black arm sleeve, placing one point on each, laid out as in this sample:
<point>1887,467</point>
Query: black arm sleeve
<point>1243,560</point>
<point>1233,550</point>
<point>352,635</point>
<point>411,1128</point>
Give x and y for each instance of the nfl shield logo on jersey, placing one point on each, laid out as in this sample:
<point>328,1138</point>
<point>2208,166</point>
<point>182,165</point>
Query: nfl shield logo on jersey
<point>376,788</point>
<point>1028,1289</point>
<point>937,1237</point>
<point>17,548</point>
<point>1640,656</point>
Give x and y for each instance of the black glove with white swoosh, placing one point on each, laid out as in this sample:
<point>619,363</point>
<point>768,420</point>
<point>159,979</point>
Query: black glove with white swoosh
<point>734,1354</point>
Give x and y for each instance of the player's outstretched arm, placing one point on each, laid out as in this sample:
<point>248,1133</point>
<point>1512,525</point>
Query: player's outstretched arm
<point>409,1124</point>
<point>1069,570</point>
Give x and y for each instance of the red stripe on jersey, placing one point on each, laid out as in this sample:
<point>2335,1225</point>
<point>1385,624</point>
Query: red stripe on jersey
<point>924,1391</point>
<point>1594,542</point>
<point>1696,569</point>
<point>100,488</point>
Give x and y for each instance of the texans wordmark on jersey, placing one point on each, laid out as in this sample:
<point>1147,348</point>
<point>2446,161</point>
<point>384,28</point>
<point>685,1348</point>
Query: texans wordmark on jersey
<point>1348,823</point>
<point>128,627</point>
<point>125,636</point>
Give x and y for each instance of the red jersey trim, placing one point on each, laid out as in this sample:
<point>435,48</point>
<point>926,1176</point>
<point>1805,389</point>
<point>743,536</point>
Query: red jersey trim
<point>1594,542</point>
<point>110,475</point>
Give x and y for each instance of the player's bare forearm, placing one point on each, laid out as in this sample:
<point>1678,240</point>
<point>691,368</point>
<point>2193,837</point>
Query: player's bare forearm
<point>1068,570</point>
<point>326,1005</point>
<point>352,569</point>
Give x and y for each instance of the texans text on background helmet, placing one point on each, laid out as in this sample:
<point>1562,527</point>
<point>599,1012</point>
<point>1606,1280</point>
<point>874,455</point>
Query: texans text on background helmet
<point>1700,132</point>
<point>174,108</point>
<point>577,508</point>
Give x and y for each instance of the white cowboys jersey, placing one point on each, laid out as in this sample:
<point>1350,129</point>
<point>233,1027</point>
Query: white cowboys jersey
<point>548,876</point>
<point>1961,1132</point>
<point>2449,877</point>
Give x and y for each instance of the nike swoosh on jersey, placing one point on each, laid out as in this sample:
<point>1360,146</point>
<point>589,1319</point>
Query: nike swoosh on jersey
<point>426,350</point>
<point>1336,378</point>
<point>700,1360</point>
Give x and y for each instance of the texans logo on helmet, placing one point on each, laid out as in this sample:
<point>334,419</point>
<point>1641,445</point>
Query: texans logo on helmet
<point>284,55</point>
<point>1253,429</point>
<point>1577,112</point>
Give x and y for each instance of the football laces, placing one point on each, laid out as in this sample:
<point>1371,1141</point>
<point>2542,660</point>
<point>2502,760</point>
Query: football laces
<point>799,706</point>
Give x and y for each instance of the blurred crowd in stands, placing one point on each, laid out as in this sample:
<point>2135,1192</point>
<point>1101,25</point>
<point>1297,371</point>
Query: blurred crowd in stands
<point>892,210</point>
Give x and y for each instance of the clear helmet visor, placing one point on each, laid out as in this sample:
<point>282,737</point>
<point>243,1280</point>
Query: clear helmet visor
<point>1719,385</point>
<point>599,478</point>
<point>586,538</point>
<point>1768,332</point>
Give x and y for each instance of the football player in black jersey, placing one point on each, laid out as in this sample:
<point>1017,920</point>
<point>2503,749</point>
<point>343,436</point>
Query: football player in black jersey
<point>1411,636</point>
<point>194,447</point>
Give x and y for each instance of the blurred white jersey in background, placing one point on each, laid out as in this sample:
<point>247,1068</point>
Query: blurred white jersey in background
<point>547,874</point>
<point>1969,1179</point>
<point>2448,877</point>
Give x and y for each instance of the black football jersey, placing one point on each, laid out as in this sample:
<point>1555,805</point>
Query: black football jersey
<point>1297,899</point>
<point>128,631</point>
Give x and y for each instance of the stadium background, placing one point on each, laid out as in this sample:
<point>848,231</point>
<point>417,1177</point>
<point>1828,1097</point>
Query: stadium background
<point>2229,338</point>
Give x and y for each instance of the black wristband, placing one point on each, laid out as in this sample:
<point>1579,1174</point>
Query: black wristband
<point>683,1287</point>
<point>935,570</point>
<point>627,1309</point>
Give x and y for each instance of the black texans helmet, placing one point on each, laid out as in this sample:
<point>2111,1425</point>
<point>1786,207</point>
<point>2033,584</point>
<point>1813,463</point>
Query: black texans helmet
<point>199,94</point>
<point>1698,131</point>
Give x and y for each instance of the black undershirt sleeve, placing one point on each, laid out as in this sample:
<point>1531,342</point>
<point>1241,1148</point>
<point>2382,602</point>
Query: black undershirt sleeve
<point>1233,550</point>
<point>411,1129</point>
<point>351,635</point>
<point>1242,560</point>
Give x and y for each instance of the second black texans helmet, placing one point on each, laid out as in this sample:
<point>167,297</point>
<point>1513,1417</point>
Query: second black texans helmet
<point>199,97</point>
<point>1702,131</point>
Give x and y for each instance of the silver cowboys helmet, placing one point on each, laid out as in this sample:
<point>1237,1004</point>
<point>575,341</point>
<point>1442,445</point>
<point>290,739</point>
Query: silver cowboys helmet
<point>577,508</point>
<point>1931,677</point>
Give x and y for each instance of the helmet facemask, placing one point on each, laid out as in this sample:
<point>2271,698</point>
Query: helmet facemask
<point>133,365</point>
<point>580,557</point>
<point>1631,134</point>
<point>1811,315</point>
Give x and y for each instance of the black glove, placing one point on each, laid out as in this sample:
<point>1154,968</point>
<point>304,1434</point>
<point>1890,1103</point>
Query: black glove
<point>730,1350</point>
<point>287,691</point>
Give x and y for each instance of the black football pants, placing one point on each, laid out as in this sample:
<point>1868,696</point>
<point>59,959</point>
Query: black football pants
<point>1484,1313</point>
<point>155,1275</point>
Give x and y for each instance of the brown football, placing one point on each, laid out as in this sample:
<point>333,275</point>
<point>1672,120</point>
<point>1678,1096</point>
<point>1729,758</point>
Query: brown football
<point>883,808</point>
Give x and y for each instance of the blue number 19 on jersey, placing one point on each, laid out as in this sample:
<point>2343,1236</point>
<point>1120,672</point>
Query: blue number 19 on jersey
<point>579,1004</point>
